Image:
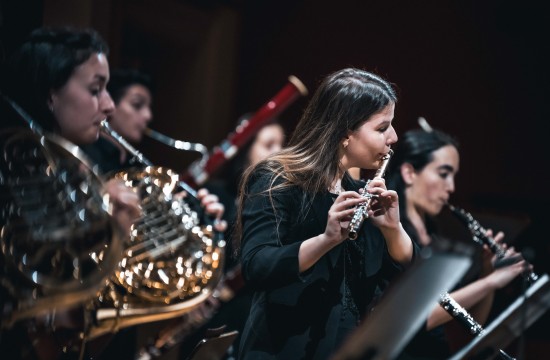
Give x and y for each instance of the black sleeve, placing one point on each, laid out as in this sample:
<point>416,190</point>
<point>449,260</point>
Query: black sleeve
<point>269,256</point>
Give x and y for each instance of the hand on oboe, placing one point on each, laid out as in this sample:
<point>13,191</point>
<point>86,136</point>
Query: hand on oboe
<point>489,257</point>
<point>503,275</point>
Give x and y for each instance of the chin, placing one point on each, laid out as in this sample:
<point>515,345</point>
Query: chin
<point>435,210</point>
<point>370,166</point>
<point>87,139</point>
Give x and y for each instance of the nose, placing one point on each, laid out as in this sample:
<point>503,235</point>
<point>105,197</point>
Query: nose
<point>107,105</point>
<point>451,185</point>
<point>276,148</point>
<point>147,114</point>
<point>392,136</point>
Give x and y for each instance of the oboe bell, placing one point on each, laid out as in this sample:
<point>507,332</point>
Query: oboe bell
<point>361,213</point>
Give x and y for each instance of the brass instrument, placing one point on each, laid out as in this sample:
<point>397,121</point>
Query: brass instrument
<point>58,242</point>
<point>361,213</point>
<point>176,331</point>
<point>172,261</point>
<point>178,144</point>
<point>480,236</point>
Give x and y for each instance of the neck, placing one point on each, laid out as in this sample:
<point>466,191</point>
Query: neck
<point>418,220</point>
<point>123,152</point>
<point>336,184</point>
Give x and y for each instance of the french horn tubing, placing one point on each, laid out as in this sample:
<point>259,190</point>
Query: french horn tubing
<point>173,259</point>
<point>58,242</point>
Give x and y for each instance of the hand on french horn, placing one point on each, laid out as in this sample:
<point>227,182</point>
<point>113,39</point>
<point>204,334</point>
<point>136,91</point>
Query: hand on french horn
<point>212,207</point>
<point>125,204</point>
<point>384,206</point>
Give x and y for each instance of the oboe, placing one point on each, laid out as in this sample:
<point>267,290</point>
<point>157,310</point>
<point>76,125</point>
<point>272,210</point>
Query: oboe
<point>480,236</point>
<point>361,213</point>
<point>463,316</point>
<point>460,314</point>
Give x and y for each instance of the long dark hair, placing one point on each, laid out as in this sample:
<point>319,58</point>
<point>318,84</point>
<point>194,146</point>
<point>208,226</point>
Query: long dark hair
<point>415,147</point>
<point>45,62</point>
<point>341,104</point>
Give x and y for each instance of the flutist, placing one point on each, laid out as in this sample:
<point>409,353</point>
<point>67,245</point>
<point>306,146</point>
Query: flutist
<point>423,172</point>
<point>311,284</point>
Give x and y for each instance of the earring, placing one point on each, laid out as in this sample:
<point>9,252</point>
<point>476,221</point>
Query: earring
<point>346,144</point>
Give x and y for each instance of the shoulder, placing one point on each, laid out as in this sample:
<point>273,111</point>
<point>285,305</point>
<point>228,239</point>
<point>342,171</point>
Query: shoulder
<point>265,176</point>
<point>272,183</point>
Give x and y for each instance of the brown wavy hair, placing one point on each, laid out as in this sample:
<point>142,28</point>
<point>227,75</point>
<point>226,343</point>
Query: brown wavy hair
<point>341,104</point>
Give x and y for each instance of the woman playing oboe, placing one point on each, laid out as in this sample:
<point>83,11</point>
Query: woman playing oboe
<point>311,284</point>
<point>422,172</point>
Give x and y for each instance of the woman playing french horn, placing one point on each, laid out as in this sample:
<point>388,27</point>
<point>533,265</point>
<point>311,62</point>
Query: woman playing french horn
<point>58,78</point>
<point>312,285</point>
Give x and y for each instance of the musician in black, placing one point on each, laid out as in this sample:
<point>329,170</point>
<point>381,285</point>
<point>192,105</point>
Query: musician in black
<point>233,314</point>
<point>311,284</point>
<point>59,78</point>
<point>423,171</point>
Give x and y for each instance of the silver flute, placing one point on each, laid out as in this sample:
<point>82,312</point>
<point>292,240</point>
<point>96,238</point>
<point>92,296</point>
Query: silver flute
<point>362,211</point>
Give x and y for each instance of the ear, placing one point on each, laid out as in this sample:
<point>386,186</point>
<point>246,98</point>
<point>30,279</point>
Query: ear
<point>407,173</point>
<point>345,141</point>
<point>50,101</point>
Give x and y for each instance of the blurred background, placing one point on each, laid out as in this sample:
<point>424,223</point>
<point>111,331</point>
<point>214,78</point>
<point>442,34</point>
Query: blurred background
<point>475,69</point>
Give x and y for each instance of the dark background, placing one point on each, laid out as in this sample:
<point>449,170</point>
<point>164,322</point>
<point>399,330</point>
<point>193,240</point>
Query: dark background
<point>475,69</point>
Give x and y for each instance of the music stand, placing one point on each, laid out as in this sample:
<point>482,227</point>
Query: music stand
<point>516,318</point>
<point>213,348</point>
<point>405,306</point>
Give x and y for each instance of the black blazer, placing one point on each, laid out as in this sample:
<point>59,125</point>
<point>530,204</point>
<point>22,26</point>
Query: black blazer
<point>293,315</point>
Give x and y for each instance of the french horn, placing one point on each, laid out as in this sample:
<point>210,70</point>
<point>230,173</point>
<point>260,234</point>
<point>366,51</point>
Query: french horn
<point>172,260</point>
<point>58,242</point>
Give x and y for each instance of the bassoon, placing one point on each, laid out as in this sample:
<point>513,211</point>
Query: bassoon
<point>201,170</point>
